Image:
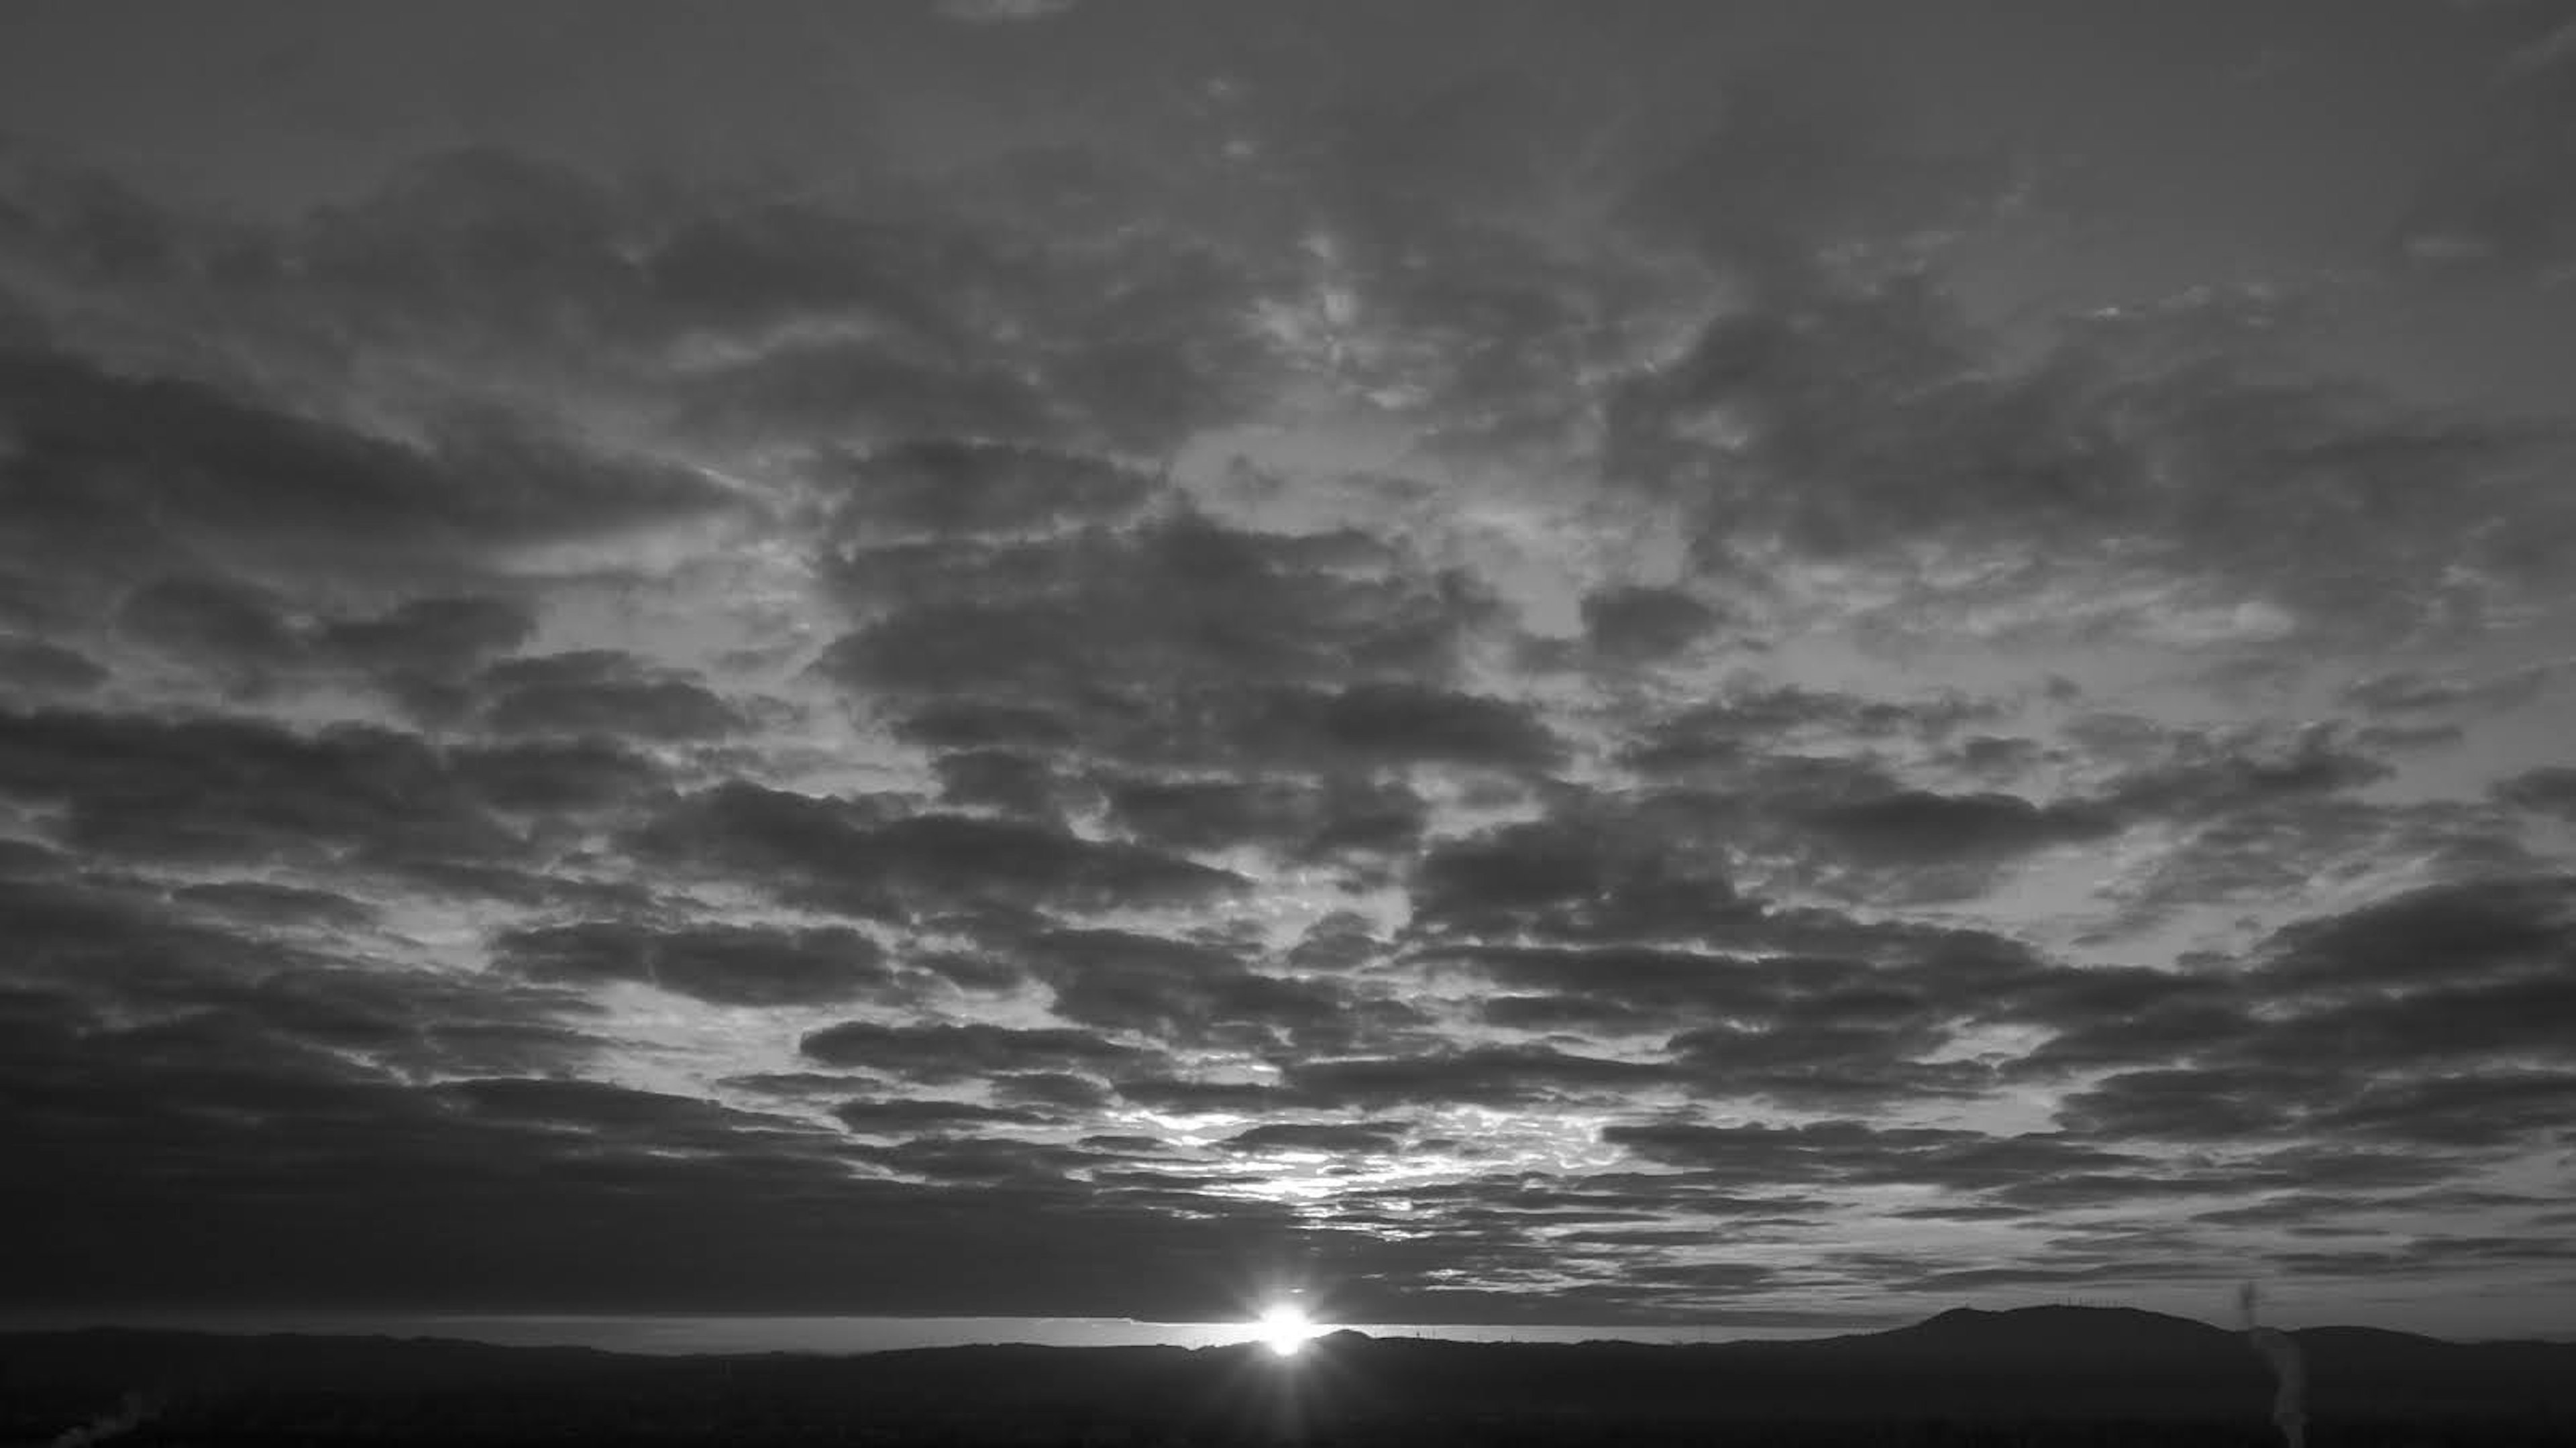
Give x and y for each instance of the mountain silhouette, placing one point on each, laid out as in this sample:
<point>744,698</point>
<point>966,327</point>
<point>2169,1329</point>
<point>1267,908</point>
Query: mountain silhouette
<point>2040,1326</point>
<point>2041,1365</point>
<point>2035,1335</point>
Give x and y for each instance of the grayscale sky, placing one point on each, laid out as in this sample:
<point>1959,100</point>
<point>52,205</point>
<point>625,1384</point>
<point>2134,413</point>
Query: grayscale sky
<point>1775,665</point>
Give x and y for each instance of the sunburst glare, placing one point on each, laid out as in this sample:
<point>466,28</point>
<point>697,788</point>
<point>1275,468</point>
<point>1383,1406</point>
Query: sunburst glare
<point>1285,1329</point>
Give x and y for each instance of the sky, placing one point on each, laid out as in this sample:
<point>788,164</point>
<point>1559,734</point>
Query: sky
<point>1756,667</point>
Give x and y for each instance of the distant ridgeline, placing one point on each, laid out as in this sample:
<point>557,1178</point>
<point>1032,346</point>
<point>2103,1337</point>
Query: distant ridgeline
<point>2095,1376</point>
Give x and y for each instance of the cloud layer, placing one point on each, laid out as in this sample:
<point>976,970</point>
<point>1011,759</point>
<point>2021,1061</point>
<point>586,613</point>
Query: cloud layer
<point>1510,719</point>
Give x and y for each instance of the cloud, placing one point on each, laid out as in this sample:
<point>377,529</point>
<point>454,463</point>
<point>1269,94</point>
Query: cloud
<point>1341,813</point>
<point>1184,640</point>
<point>1778,429</point>
<point>2482,929</point>
<point>992,12</point>
<point>1751,721</point>
<point>1186,994</point>
<point>206,468</point>
<point>557,776</point>
<point>949,1052</point>
<point>945,487</point>
<point>209,620</point>
<point>2402,1021</point>
<point>908,1118</point>
<point>719,964</point>
<point>1570,878</point>
<point>847,856</point>
<point>278,904</point>
<point>1506,688</point>
<point>40,667</point>
<point>2548,789</point>
<point>1633,621</point>
<point>240,790</point>
<point>600,692</point>
<point>1917,824</point>
<point>2404,693</point>
<point>1333,1140</point>
<point>2498,198</point>
<point>1483,1075</point>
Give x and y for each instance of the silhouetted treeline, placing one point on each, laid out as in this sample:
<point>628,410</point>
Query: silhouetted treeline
<point>2082,1378</point>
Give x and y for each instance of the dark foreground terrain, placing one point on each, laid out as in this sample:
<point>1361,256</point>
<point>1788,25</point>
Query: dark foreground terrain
<point>2075,1376</point>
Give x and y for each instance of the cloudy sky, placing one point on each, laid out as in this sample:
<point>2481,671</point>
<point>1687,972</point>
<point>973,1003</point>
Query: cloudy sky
<point>1764,665</point>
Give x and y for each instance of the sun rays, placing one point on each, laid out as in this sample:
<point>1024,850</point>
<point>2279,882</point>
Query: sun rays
<point>1285,1329</point>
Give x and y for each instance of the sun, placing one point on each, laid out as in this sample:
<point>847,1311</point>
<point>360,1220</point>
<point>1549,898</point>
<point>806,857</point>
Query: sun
<point>1285,1328</point>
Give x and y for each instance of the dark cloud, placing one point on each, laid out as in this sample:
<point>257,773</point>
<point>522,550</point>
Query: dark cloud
<point>1295,818</point>
<point>1790,1155</point>
<point>1403,723</point>
<point>2191,1104</point>
<point>1849,420</point>
<point>584,1105</point>
<point>2406,692</point>
<point>729,965</point>
<point>1574,1014</point>
<point>1182,992</point>
<point>1665,983</point>
<point>1055,1090</point>
<point>2549,790</point>
<point>2492,1110</point>
<point>38,666</point>
<point>1183,639</point>
<point>944,486</point>
<point>970,724</point>
<point>421,644</point>
<point>1641,623</point>
<point>1000,780</point>
<point>211,621</point>
<point>1827,1061</point>
<point>235,790</point>
<point>1749,726</point>
<point>1572,878</point>
<point>1916,825</point>
<point>277,904</point>
<point>601,692</point>
<point>2439,935</point>
<point>907,1118</point>
<point>2390,1022</point>
<point>25,859</point>
<point>546,776</point>
<point>774,263</point>
<point>2200,774</point>
<point>2275,850</point>
<point>954,1052</point>
<point>234,992</point>
<point>853,390</point>
<point>119,470</point>
<point>2427,1028</point>
<point>2114,1016</point>
<point>853,855</point>
<point>960,855</point>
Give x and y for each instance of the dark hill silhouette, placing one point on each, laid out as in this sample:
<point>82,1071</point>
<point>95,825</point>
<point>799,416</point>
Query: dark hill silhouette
<point>2042,1329</point>
<point>2120,1371</point>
